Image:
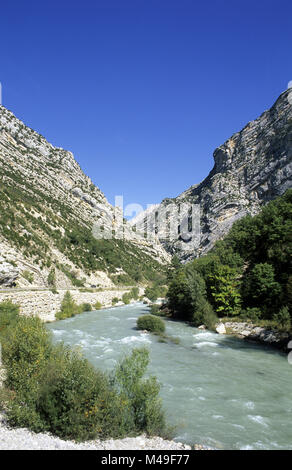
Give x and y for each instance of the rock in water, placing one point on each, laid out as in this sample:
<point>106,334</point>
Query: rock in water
<point>220,328</point>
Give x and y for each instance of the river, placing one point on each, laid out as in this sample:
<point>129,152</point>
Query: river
<point>217,390</point>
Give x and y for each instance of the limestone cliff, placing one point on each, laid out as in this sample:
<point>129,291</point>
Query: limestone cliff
<point>48,209</point>
<point>251,168</point>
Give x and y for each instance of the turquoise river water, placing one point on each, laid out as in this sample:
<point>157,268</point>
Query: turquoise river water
<point>217,391</point>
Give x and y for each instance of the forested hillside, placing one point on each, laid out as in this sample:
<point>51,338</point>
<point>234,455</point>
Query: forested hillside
<point>247,274</point>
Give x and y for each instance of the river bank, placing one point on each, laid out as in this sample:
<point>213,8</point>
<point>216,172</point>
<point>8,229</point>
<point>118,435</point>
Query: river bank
<point>257,334</point>
<point>217,390</point>
<point>23,439</point>
<point>45,303</point>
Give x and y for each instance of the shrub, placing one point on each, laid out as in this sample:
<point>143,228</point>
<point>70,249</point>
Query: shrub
<point>74,399</point>
<point>144,411</point>
<point>283,319</point>
<point>97,305</point>
<point>8,314</point>
<point>26,348</point>
<point>28,276</point>
<point>52,388</point>
<point>205,315</point>
<point>134,293</point>
<point>260,288</point>
<point>155,310</point>
<point>126,298</point>
<point>115,300</point>
<point>251,313</point>
<point>69,308</point>
<point>152,293</point>
<point>52,278</point>
<point>85,307</point>
<point>151,323</point>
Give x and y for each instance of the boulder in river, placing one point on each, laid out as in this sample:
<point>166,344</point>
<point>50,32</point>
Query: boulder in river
<point>220,328</point>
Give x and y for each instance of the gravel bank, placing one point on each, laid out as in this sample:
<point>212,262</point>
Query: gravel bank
<point>23,439</point>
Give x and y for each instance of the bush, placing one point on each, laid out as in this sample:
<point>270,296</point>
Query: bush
<point>74,399</point>
<point>97,305</point>
<point>260,288</point>
<point>134,293</point>
<point>283,319</point>
<point>52,278</point>
<point>69,308</point>
<point>8,314</point>
<point>52,388</point>
<point>26,349</point>
<point>204,315</point>
<point>251,313</point>
<point>152,293</point>
<point>151,323</point>
<point>126,298</point>
<point>85,307</point>
<point>155,310</point>
<point>144,413</point>
<point>28,276</point>
<point>115,300</point>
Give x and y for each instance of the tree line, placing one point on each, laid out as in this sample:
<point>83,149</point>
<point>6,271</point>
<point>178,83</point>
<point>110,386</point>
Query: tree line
<point>246,275</point>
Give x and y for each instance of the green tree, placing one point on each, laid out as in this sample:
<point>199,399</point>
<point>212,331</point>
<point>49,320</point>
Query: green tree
<point>187,298</point>
<point>152,293</point>
<point>134,293</point>
<point>260,288</point>
<point>224,287</point>
<point>141,395</point>
<point>179,297</point>
<point>283,319</point>
<point>126,298</point>
<point>52,278</point>
<point>175,266</point>
<point>8,314</point>
<point>69,308</point>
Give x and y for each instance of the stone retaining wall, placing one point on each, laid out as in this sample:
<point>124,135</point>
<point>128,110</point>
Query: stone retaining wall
<point>45,304</point>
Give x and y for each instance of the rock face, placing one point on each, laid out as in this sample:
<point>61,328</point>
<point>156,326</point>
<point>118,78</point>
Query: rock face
<point>44,196</point>
<point>8,274</point>
<point>251,168</point>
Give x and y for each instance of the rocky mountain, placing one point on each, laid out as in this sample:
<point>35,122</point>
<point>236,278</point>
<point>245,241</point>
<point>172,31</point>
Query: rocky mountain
<point>250,168</point>
<point>48,210</point>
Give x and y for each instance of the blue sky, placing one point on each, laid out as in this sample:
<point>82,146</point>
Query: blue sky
<point>143,91</point>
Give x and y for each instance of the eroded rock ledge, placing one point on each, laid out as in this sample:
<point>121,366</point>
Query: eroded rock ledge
<point>258,334</point>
